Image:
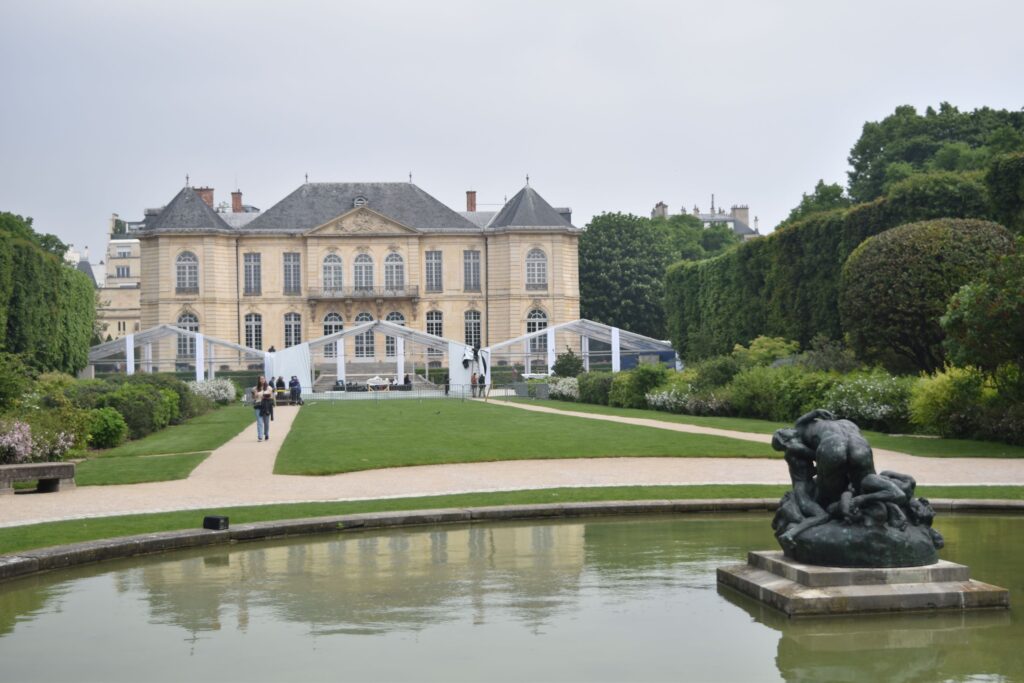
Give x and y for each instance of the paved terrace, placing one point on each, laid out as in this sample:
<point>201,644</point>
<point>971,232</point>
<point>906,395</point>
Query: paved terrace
<point>241,473</point>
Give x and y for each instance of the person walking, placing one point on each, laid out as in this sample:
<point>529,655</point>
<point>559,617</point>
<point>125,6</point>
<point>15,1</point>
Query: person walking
<point>263,406</point>
<point>472,385</point>
<point>481,385</point>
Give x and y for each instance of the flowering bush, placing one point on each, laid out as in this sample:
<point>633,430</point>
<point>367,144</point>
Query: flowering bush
<point>565,388</point>
<point>220,390</point>
<point>874,400</point>
<point>687,400</point>
<point>15,443</point>
<point>18,445</point>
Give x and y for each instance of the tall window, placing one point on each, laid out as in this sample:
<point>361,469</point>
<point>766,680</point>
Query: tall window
<point>186,342</point>
<point>435,326</point>
<point>536,269</point>
<point>364,272</point>
<point>473,328</point>
<point>254,331</point>
<point>187,273</point>
<point>537,320</point>
<point>123,271</point>
<point>471,270</point>
<point>434,271</point>
<point>253,273</point>
<point>364,341</point>
<point>394,272</point>
<point>390,347</point>
<point>332,323</point>
<point>292,329</point>
<point>332,273</point>
<point>292,273</point>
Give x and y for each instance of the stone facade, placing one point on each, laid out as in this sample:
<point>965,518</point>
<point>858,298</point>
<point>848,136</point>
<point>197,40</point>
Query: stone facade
<point>355,251</point>
<point>119,309</point>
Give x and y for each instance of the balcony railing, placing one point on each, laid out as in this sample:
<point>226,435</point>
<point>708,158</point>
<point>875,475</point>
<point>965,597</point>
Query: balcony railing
<point>407,292</point>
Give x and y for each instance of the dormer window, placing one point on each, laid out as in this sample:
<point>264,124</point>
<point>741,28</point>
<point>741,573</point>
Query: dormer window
<point>359,201</point>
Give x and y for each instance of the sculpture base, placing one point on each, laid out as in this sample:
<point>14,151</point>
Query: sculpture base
<point>852,545</point>
<point>800,589</point>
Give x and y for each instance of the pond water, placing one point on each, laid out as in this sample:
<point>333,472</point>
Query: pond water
<point>604,599</point>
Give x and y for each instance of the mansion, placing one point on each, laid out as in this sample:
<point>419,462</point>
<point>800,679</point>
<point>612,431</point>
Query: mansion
<point>331,255</point>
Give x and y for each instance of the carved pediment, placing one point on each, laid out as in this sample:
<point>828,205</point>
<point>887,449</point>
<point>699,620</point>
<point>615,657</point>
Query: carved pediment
<point>361,221</point>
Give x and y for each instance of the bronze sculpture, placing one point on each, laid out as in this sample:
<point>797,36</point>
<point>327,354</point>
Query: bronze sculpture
<point>841,512</point>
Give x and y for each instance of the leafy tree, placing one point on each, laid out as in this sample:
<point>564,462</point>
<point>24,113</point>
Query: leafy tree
<point>895,287</point>
<point>984,324</point>
<point>623,259</point>
<point>947,139</point>
<point>824,198</point>
<point>567,364</point>
<point>1005,183</point>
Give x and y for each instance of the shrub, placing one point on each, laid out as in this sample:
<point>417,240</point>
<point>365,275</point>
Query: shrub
<point>874,400</point>
<point>716,371</point>
<point>630,389</point>
<point>896,285</point>
<point>567,364</point>
<point>183,396</point>
<point>222,391</point>
<point>17,378</point>
<point>950,403</point>
<point>565,389</point>
<point>145,407</point>
<point>686,399</point>
<point>781,394</point>
<point>828,355</point>
<point>106,428</point>
<point>15,442</point>
<point>89,393</point>
<point>1005,183</point>
<point>594,387</point>
<point>764,351</point>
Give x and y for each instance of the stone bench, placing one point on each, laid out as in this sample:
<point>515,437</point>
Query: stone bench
<point>52,476</point>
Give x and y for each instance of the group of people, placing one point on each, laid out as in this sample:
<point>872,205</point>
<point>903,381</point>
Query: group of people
<point>265,394</point>
<point>477,385</point>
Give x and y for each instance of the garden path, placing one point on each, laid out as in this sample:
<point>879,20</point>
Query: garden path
<point>241,473</point>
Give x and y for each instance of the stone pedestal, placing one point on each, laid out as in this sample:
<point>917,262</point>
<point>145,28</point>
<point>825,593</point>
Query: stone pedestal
<point>801,589</point>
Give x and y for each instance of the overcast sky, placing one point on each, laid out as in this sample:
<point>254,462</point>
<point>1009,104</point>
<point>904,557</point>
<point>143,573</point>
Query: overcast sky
<point>608,106</point>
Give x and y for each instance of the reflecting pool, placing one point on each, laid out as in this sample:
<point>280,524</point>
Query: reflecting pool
<point>604,599</point>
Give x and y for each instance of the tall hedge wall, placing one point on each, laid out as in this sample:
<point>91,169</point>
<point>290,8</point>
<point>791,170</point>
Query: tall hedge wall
<point>787,284</point>
<point>47,308</point>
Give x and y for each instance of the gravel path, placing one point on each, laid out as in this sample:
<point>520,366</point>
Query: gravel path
<point>241,473</point>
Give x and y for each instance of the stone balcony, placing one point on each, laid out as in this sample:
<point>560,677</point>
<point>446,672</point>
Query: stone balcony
<point>364,293</point>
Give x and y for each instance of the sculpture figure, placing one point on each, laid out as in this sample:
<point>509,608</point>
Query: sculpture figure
<point>841,512</point>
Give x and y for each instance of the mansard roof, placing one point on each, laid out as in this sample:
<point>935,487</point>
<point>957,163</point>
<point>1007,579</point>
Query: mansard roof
<point>314,204</point>
<point>528,210</point>
<point>187,212</point>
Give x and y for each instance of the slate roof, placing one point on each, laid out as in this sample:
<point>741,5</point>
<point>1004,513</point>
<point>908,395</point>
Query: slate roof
<point>187,212</point>
<point>314,204</point>
<point>528,210</point>
<point>84,266</point>
<point>738,226</point>
<point>479,218</point>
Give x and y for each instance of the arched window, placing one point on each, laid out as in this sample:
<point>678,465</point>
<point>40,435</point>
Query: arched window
<point>390,348</point>
<point>536,269</point>
<point>332,323</point>
<point>187,273</point>
<point>473,328</point>
<point>186,342</point>
<point>394,272</point>
<point>537,320</point>
<point>254,331</point>
<point>364,272</point>
<point>364,341</point>
<point>332,273</point>
<point>292,329</point>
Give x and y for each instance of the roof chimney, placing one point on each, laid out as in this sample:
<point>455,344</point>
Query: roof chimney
<point>206,194</point>
<point>236,202</point>
<point>470,200</point>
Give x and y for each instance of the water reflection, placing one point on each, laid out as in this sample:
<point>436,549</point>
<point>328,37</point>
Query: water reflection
<point>608,599</point>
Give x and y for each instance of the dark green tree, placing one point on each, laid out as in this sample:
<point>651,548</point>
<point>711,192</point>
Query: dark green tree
<point>895,287</point>
<point>823,198</point>
<point>1005,182</point>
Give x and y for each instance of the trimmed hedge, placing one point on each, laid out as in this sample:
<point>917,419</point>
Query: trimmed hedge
<point>787,283</point>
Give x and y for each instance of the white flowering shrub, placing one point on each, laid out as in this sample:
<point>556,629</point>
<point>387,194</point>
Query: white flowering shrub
<point>565,388</point>
<point>219,390</point>
<point>874,400</point>
<point>19,445</point>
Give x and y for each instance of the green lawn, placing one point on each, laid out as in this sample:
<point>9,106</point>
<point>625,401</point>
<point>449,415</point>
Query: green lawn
<point>14,539</point>
<point>203,433</point>
<point>914,445</point>
<point>135,470</point>
<point>347,436</point>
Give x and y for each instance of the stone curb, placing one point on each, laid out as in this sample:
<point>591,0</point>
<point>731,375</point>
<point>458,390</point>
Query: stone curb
<point>25,563</point>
